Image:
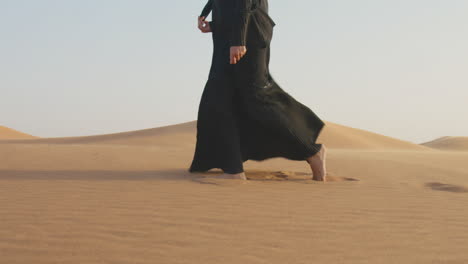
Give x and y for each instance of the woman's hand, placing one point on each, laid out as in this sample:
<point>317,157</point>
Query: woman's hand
<point>203,25</point>
<point>236,53</point>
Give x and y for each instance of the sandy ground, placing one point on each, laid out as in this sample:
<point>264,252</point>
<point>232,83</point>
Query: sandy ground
<point>128,198</point>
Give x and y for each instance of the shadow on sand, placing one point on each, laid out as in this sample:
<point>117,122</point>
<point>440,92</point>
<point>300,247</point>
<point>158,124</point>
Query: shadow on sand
<point>438,186</point>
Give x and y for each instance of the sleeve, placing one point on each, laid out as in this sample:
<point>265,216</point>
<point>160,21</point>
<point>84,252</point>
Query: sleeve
<point>207,9</point>
<point>241,16</point>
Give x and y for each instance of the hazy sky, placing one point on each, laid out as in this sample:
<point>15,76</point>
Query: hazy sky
<point>83,67</point>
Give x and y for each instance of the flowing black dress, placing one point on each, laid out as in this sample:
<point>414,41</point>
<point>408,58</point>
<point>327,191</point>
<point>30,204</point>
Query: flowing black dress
<point>243,114</point>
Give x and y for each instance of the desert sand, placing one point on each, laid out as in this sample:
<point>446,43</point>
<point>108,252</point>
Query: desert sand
<point>128,198</point>
<point>449,143</point>
<point>8,133</point>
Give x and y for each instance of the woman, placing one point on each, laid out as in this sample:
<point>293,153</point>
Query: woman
<point>243,113</point>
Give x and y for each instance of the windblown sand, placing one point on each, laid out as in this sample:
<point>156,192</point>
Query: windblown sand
<point>128,198</point>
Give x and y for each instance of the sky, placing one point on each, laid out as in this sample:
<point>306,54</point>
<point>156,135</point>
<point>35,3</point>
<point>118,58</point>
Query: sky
<point>74,68</point>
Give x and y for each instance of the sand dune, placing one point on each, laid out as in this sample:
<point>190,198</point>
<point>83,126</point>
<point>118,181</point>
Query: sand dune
<point>128,198</point>
<point>173,134</point>
<point>339,136</point>
<point>8,133</point>
<point>448,143</point>
<point>333,135</point>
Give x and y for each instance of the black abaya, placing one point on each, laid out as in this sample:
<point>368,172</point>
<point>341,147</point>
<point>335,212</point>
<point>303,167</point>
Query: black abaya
<point>243,113</point>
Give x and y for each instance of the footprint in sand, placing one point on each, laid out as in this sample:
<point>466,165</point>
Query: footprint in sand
<point>262,175</point>
<point>331,177</point>
<point>438,186</point>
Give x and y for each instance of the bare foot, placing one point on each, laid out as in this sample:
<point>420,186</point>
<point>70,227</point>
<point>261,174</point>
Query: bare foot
<point>238,176</point>
<point>317,163</point>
